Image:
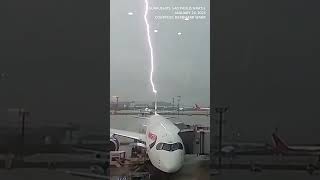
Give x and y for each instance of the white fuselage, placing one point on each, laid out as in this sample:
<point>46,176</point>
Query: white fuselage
<point>164,146</point>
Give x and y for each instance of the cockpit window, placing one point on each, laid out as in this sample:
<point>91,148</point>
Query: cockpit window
<point>166,147</point>
<point>159,146</point>
<point>174,146</point>
<point>169,147</point>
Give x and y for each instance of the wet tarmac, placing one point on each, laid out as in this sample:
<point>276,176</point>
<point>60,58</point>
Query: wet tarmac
<point>264,175</point>
<point>38,174</point>
<point>195,167</point>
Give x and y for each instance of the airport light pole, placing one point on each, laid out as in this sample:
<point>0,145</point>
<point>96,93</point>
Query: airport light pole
<point>117,103</point>
<point>220,111</point>
<point>116,109</point>
<point>23,114</point>
<point>179,98</point>
<point>173,102</point>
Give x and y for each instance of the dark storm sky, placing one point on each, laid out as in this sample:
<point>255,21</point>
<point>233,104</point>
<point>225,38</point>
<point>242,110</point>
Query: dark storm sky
<point>266,66</point>
<point>55,55</point>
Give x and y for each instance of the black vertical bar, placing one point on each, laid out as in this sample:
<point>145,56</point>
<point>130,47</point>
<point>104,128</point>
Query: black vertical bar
<point>220,137</point>
<point>201,142</point>
<point>22,133</point>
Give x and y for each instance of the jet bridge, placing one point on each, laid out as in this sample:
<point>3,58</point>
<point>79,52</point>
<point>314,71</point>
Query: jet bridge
<point>196,139</point>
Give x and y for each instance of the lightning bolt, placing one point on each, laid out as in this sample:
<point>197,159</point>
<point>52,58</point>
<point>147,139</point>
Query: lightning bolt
<point>151,50</point>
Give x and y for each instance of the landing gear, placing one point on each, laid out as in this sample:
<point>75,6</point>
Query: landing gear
<point>154,172</point>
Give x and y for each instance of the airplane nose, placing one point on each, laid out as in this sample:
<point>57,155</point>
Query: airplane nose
<point>173,164</point>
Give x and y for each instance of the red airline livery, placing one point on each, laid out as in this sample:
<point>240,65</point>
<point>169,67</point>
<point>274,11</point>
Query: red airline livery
<point>151,136</point>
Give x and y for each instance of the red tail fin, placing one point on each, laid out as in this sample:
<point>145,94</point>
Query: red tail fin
<point>280,145</point>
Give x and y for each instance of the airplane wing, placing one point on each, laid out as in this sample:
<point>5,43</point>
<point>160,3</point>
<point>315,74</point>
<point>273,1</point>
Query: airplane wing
<point>306,148</point>
<point>169,117</point>
<point>128,134</point>
<point>140,117</point>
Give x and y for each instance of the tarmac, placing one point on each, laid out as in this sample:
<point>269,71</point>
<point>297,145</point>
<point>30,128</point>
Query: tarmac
<point>264,175</point>
<point>38,174</point>
<point>195,167</point>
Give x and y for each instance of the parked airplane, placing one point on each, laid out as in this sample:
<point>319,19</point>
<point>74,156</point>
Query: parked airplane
<point>147,111</point>
<point>184,108</point>
<point>164,146</point>
<point>143,111</point>
<point>194,108</point>
<point>282,147</point>
<point>198,108</point>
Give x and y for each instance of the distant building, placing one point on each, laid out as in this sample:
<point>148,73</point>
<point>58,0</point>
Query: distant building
<point>162,105</point>
<point>131,105</point>
<point>121,105</point>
